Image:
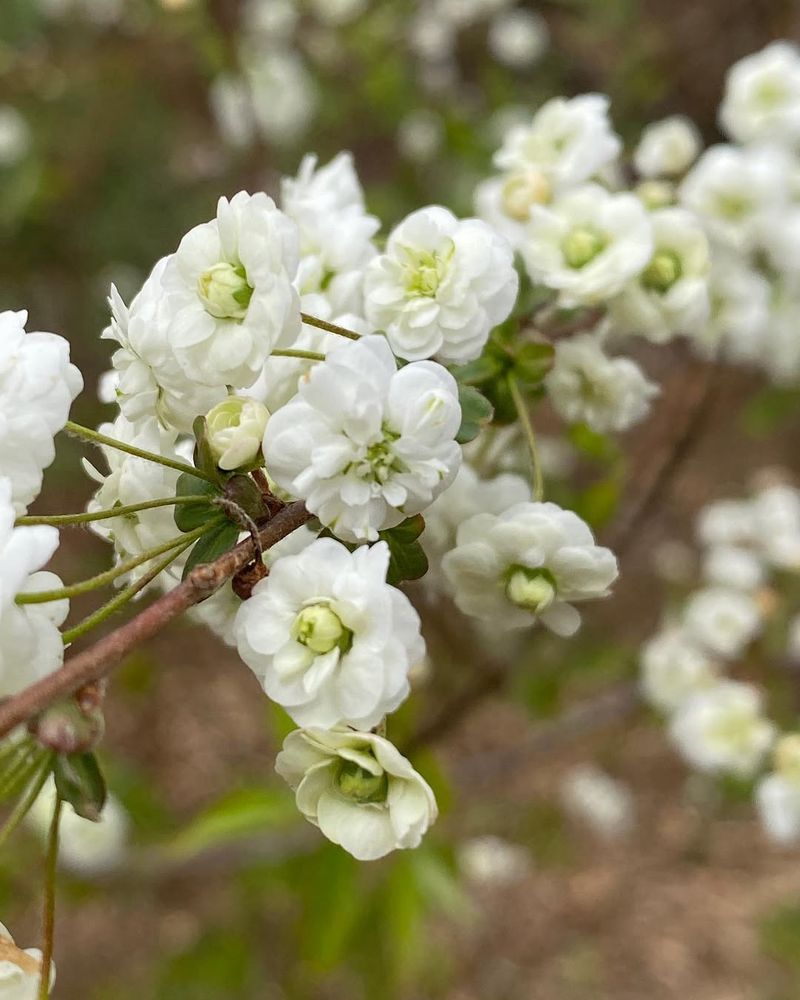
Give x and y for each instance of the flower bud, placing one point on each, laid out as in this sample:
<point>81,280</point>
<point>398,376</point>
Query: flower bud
<point>663,271</point>
<point>360,785</point>
<point>581,246</point>
<point>320,629</point>
<point>533,589</point>
<point>522,191</point>
<point>235,431</point>
<point>225,291</point>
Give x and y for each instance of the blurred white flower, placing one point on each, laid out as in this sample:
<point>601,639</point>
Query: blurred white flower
<point>762,96</point>
<point>492,860</point>
<point>282,91</point>
<point>776,514</point>
<point>602,803</point>
<point>358,789</point>
<point>336,12</point>
<point>232,108</point>
<point>727,522</point>
<point>15,136</point>
<point>730,566</point>
<point>674,667</point>
<point>778,794</point>
<point>420,135</point>
<point>518,38</point>
<point>667,148</point>
<point>722,619</point>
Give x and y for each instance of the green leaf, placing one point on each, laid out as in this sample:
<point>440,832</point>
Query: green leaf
<point>203,459</point>
<point>482,369</point>
<point>242,813</point>
<point>80,782</point>
<point>211,546</point>
<point>406,532</point>
<point>476,411</point>
<point>189,516</point>
<point>407,557</point>
<point>533,361</point>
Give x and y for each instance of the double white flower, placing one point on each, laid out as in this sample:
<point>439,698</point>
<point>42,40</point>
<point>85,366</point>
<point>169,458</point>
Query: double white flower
<point>366,445</point>
<point>358,789</point>
<point>762,97</point>
<point>441,286</point>
<point>533,561</point>
<point>20,970</point>
<point>328,638</point>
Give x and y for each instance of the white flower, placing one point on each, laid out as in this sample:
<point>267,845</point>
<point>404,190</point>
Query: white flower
<point>533,561</point>
<point>604,804</point>
<point>357,788</point>
<point>518,38</point>
<point>778,794</point>
<point>588,244</point>
<point>149,381</point>
<point>30,643</point>
<point>779,349</point>
<point>740,309</point>
<point>674,667</point>
<point>568,142</point>
<point>19,970</point>
<point>15,136</point>
<point>727,522</point>
<point>671,294</point>
<point>282,92</point>
<point>667,148</point>
<point>37,387</point>
<point>722,620</point>
<point>328,638</point>
<point>230,294</point>
<point>493,861</point>
<point>441,286</point>
<point>585,385</point>
<point>420,135</point>
<point>235,431</point>
<point>731,566</point>
<point>232,108</point>
<point>85,846</point>
<point>327,203</point>
<point>723,729</point>
<point>732,190</point>
<point>762,96</point>
<point>776,514</point>
<point>366,445</point>
<point>336,12</point>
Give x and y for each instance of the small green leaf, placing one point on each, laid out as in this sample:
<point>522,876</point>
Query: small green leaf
<point>406,532</point>
<point>211,546</point>
<point>189,516</point>
<point>203,458</point>
<point>482,369</point>
<point>476,411</point>
<point>407,562</point>
<point>80,782</point>
<point>533,361</point>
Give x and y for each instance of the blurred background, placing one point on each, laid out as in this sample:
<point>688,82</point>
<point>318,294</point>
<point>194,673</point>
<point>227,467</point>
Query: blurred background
<point>575,855</point>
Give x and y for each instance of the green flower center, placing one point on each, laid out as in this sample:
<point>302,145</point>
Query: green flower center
<point>224,291</point>
<point>531,589</point>
<point>358,784</point>
<point>320,629</point>
<point>426,269</point>
<point>581,246</point>
<point>663,271</point>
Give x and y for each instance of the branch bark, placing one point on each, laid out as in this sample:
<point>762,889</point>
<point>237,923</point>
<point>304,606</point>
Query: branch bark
<point>99,659</point>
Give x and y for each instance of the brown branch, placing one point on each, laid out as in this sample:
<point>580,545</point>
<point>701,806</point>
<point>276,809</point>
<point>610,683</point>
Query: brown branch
<point>99,659</point>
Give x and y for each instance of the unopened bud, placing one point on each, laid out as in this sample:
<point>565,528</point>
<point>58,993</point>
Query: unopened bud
<point>663,271</point>
<point>224,291</point>
<point>235,431</point>
<point>581,246</point>
<point>532,589</point>
<point>656,194</point>
<point>67,728</point>
<point>360,785</point>
<point>320,629</point>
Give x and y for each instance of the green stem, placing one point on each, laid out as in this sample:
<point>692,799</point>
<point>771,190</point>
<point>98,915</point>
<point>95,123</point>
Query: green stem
<point>322,324</point>
<point>103,515</point>
<point>292,353</point>
<point>527,426</point>
<point>49,915</point>
<point>18,769</point>
<point>122,598</point>
<point>26,801</point>
<point>100,439</point>
<point>103,579</point>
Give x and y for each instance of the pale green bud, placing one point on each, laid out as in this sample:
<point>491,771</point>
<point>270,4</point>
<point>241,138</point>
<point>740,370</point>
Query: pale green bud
<point>320,629</point>
<point>663,271</point>
<point>235,431</point>
<point>532,589</point>
<point>656,194</point>
<point>522,191</point>
<point>787,756</point>
<point>582,246</point>
<point>224,291</point>
<point>360,785</point>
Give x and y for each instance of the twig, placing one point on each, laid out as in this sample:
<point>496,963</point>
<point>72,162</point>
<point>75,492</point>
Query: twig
<point>100,658</point>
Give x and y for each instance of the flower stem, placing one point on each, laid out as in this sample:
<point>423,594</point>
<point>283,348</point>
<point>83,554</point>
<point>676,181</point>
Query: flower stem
<point>123,510</point>
<point>122,598</point>
<point>28,798</point>
<point>49,915</point>
<point>293,353</point>
<point>527,426</point>
<point>102,579</point>
<point>101,439</point>
<point>322,324</point>
<point>18,768</point>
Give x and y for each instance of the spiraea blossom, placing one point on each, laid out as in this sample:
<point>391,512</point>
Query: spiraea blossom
<point>366,445</point>
<point>667,148</point>
<point>30,643</point>
<point>778,794</point>
<point>762,97</point>
<point>229,291</point>
<point>20,970</point>
<point>235,431</point>
<point>588,244</point>
<point>673,668</point>
<point>671,294</point>
<point>37,387</point>
<point>722,619</point>
<point>723,729</point>
<point>534,561</point>
<point>586,385</point>
<point>358,789</point>
<point>441,286</point>
<point>329,639</point>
